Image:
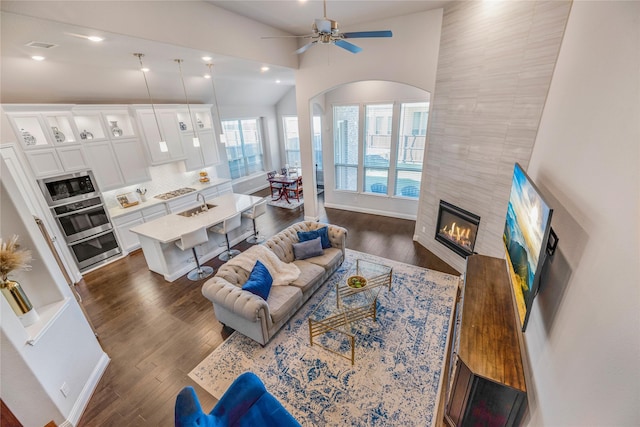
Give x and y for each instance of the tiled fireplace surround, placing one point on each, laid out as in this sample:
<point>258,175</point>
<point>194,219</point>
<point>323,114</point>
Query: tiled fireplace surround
<point>494,70</point>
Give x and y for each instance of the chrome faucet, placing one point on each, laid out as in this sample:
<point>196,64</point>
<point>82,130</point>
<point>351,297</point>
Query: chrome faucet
<point>204,201</point>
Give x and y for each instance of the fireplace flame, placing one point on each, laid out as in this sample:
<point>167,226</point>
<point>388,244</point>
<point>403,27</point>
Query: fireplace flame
<point>457,234</point>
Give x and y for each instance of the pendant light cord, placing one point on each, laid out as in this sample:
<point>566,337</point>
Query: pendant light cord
<point>215,97</point>
<point>186,98</point>
<point>144,74</point>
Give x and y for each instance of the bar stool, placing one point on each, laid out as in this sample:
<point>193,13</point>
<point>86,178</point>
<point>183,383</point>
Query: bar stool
<point>190,241</point>
<point>224,228</point>
<point>258,209</point>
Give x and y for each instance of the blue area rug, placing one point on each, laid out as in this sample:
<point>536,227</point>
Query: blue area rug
<point>399,359</point>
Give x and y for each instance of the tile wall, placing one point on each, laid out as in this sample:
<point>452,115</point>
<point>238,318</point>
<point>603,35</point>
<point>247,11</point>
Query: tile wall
<point>495,66</point>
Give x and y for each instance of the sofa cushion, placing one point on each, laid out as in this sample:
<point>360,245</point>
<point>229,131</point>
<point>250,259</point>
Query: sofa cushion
<point>310,273</point>
<point>327,259</point>
<point>308,249</point>
<point>259,282</point>
<point>283,301</point>
<point>322,232</point>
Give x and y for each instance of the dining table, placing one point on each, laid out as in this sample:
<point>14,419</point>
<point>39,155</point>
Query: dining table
<point>282,183</point>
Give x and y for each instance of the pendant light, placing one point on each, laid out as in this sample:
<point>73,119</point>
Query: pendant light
<point>162,142</point>
<point>223,138</point>
<point>196,139</point>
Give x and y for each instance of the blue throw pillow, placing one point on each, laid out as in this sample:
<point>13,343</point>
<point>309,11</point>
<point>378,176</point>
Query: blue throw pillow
<point>259,281</point>
<point>308,249</point>
<point>323,233</point>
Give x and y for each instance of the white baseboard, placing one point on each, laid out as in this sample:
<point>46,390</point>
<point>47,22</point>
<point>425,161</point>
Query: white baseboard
<point>370,211</point>
<point>86,393</point>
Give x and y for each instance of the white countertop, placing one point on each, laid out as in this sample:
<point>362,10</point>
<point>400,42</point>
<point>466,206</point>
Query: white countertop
<point>172,226</point>
<point>151,200</point>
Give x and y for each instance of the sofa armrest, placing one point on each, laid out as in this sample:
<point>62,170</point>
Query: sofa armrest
<point>243,303</point>
<point>239,397</point>
<point>337,236</point>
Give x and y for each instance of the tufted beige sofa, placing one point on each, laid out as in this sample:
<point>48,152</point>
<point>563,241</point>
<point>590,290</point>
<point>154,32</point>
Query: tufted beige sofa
<point>259,319</point>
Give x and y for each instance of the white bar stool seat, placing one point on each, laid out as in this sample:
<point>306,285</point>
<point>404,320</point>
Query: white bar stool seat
<point>258,209</point>
<point>190,241</point>
<point>224,228</point>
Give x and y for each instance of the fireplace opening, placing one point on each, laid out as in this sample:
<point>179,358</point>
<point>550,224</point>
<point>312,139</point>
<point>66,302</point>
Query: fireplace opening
<point>457,228</point>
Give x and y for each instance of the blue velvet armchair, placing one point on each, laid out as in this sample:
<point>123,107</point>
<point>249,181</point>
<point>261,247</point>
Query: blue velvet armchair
<point>245,403</point>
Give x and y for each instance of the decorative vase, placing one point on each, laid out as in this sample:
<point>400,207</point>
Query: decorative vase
<point>200,124</point>
<point>59,136</point>
<point>183,126</point>
<point>28,138</point>
<point>19,302</point>
<point>115,130</point>
<point>85,134</point>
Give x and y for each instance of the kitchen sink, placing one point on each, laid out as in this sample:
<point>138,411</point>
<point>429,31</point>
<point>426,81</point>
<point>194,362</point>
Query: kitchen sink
<point>197,210</point>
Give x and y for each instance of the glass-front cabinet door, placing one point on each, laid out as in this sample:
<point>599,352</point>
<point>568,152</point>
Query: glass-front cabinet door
<point>119,124</point>
<point>61,127</point>
<point>90,125</point>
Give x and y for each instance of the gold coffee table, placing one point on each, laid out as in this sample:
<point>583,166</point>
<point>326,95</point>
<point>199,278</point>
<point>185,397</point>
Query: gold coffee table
<point>343,306</point>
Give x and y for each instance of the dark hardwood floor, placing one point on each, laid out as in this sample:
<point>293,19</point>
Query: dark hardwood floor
<point>156,332</point>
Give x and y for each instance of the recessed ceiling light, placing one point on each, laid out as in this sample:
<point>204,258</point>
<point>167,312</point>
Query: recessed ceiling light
<point>37,58</point>
<point>207,76</point>
<point>264,68</point>
<point>206,58</point>
<point>144,70</point>
<point>277,81</point>
<point>95,38</point>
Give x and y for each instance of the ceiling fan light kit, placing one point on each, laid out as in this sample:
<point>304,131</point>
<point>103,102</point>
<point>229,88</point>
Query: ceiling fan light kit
<point>326,31</point>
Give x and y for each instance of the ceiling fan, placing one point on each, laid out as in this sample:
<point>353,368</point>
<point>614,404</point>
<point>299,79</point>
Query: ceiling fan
<point>326,31</point>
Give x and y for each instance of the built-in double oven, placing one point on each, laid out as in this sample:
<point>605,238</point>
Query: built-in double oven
<point>78,207</point>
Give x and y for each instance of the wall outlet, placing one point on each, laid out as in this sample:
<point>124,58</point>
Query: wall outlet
<point>64,389</point>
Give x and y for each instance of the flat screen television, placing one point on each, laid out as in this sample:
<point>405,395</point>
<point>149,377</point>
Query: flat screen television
<point>526,236</point>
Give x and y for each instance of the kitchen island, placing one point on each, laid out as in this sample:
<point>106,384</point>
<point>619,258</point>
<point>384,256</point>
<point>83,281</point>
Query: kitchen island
<point>158,237</point>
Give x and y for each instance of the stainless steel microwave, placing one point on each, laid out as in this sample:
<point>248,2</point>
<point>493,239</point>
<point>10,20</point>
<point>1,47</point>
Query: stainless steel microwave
<point>69,188</point>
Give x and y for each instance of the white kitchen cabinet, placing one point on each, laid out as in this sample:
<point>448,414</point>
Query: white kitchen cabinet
<point>168,122</point>
<point>72,158</point>
<point>132,161</point>
<point>204,155</point>
<point>104,164</point>
<point>44,162</point>
<point>128,240</point>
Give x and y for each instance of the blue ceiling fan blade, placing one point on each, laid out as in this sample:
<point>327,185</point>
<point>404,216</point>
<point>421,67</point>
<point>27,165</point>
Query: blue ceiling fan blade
<point>348,46</point>
<point>305,47</point>
<point>364,34</point>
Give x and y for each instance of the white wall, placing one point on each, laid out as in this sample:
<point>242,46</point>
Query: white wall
<point>193,24</point>
<point>285,107</point>
<point>67,350</point>
<point>410,57</point>
<point>494,70</point>
<point>583,336</point>
<point>361,93</point>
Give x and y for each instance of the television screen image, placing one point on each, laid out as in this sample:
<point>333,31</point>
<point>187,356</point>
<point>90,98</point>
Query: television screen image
<point>526,232</point>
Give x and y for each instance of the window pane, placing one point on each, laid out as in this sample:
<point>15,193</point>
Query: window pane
<point>377,146</point>
<point>346,134</point>
<point>243,147</point>
<point>346,178</point>
<point>408,184</point>
<point>411,144</point>
<point>413,132</point>
<point>317,141</point>
<point>291,140</point>
<point>375,180</point>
